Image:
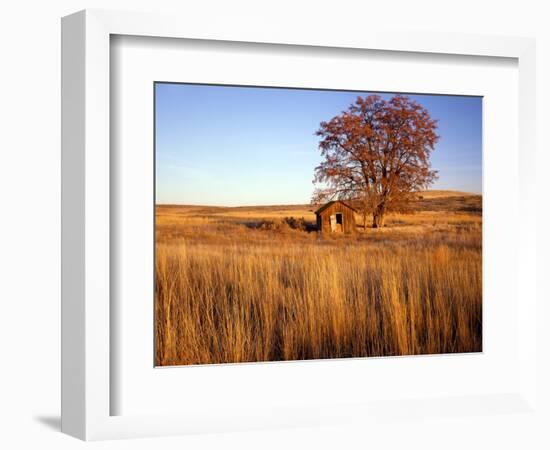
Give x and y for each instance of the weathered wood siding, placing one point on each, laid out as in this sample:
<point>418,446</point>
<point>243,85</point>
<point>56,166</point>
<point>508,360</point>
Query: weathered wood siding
<point>348,216</point>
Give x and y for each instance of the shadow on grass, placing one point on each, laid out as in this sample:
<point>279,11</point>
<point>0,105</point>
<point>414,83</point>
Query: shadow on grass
<point>292,223</point>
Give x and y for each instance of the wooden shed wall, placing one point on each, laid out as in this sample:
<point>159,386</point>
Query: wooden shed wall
<point>323,219</point>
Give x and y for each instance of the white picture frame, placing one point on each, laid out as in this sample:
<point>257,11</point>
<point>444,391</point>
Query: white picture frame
<point>86,223</point>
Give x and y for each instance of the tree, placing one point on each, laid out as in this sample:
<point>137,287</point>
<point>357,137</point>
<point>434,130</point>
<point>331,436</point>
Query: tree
<point>376,153</point>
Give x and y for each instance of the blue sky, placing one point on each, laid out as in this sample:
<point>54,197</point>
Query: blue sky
<point>222,145</point>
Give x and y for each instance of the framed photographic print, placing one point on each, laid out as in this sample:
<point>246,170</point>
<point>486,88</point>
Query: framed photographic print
<point>269,229</point>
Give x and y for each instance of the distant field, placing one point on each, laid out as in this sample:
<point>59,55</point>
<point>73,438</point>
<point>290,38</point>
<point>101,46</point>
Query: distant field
<point>259,284</point>
<point>434,193</point>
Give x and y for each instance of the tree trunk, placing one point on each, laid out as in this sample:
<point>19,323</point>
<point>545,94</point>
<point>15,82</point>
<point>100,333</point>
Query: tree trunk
<point>378,216</point>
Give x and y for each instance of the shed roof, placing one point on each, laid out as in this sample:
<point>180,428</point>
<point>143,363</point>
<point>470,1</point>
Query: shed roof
<point>327,205</point>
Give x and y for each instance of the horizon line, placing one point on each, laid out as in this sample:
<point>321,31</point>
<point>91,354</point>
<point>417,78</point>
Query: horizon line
<point>290,204</point>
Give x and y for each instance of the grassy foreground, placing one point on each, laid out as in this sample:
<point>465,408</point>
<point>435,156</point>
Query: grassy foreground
<point>250,284</point>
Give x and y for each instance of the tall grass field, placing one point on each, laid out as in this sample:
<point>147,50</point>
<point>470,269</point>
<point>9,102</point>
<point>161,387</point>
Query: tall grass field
<point>251,284</point>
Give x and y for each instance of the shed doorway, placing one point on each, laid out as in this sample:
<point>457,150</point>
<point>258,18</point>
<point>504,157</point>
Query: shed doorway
<point>337,222</point>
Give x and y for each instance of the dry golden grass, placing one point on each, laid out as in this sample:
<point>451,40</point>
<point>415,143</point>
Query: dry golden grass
<point>239,284</point>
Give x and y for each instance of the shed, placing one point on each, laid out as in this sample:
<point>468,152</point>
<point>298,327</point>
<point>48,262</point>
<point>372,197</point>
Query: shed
<point>336,217</point>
